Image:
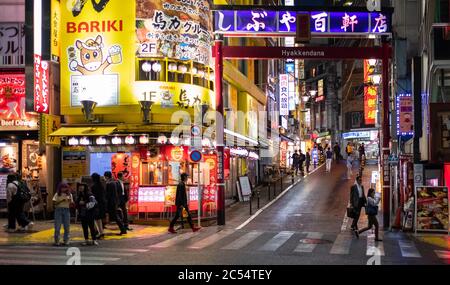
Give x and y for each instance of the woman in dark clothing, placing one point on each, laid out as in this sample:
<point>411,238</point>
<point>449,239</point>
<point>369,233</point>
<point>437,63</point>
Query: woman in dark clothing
<point>307,160</point>
<point>88,209</point>
<point>100,195</point>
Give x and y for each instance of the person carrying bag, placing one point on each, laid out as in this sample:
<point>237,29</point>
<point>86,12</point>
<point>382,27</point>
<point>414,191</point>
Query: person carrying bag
<point>372,212</point>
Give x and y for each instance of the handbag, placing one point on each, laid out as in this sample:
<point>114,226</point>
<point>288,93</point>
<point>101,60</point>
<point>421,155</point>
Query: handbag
<point>351,212</point>
<point>372,210</point>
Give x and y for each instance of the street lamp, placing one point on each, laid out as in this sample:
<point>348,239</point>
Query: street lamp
<point>375,79</point>
<point>146,107</point>
<point>88,109</point>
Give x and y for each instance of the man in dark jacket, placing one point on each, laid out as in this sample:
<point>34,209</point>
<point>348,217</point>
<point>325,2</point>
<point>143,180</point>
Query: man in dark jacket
<point>113,202</point>
<point>357,200</point>
<point>123,198</point>
<point>296,162</point>
<point>337,152</point>
<point>181,202</point>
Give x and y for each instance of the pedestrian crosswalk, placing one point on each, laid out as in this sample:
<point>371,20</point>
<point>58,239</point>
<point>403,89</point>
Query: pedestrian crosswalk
<point>292,243</point>
<point>50,255</point>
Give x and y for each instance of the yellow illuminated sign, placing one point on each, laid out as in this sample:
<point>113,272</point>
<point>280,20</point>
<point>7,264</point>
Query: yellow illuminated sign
<point>97,54</point>
<point>55,23</point>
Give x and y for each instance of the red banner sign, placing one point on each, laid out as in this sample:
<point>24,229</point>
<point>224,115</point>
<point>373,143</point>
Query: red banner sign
<point>370,97</point>
<point>226,163</point>
<point>134,181</point>
<point>41,85</point>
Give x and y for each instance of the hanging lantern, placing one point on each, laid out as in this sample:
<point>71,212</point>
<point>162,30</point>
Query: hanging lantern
<point>100,141</point>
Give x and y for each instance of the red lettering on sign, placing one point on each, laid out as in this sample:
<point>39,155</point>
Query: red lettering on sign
<point>95,26</point>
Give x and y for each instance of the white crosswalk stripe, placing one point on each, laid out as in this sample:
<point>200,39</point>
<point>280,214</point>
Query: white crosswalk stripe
<point>342,244</point>
<point>374,248</point>
<point>243,240</point>
<point>50,255</point>
<point>408,249</point>
<point>210,240</point>
<point>309,247</point>
<point>175,240</point>
<point>277,241</point>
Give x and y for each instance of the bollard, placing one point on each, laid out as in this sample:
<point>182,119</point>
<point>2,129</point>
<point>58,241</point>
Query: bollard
<point>281,183</point>
<point>257,195</point>
<point>250,201</point>
<point>268,189</point>
<point>292,178</point>
<point>274,189</point>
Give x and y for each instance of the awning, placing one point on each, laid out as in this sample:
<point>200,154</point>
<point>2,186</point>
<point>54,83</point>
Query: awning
<point>83,131</point>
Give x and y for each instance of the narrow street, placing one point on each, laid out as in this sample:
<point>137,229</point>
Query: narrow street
<point>304,226</point>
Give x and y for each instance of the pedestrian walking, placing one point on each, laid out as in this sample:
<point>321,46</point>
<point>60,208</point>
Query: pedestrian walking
<point>61,202</point>
<point>87,207</point>
<point>17,194</point>
<point>349,167</point>
<point>307,160</point>
<point>296,162</point>
<point>112,197</point>
<point>182,202</point>
<point>329,155</point>
<point>357,201</point>
<point>337,152</point>
<point>362,152</point>
<point>123,200</point>
<point>100,196</point>
<point>349,149</point>
<point>300,163</point>
<point>372,211</point>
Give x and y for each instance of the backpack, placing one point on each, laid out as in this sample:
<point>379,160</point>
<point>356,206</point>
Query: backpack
<point>23,193</point>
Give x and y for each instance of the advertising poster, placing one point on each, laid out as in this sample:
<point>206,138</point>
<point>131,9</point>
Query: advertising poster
<point>121,162</point>
<point>32,156</point>
<point>97,54</point>
<point>134,181</point>
<point>209,190</point>
<point>174,29</point>
<point>3,186</point>
<point>405,114</point>
<point>9,158</point>
<point>170,195</point>
<point>432,209</point>
<point>74,163</point>
<point>12,104</point>
<point>370,97</point>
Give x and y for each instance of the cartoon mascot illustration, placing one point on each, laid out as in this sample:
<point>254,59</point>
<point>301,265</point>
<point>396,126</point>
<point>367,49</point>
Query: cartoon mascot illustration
<point>92,58</point>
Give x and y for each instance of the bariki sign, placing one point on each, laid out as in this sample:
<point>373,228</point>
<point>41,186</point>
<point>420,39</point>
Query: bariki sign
<point>277,23</point>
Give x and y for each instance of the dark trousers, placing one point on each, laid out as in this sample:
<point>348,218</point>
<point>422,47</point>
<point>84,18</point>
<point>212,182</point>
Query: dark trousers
<point>179,213</point>
<point>372,222</point>
<point>115,214</point>
<point>123,208</point>
<point>15,212</point>
<point>87,223</point>
<point>307,167</point>
<point>296,167</point>
<point>357,213</point>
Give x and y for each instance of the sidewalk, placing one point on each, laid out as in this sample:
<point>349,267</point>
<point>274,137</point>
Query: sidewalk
<point>43,232</point>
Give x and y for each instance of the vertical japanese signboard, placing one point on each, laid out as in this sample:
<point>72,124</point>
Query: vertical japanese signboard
<point>134,181</point>
<point>284,95</point>
<point>41,85</point>
<point>404,115</point>
<point>370,97</point>
<point>12,44</point>
<point>55,23</point>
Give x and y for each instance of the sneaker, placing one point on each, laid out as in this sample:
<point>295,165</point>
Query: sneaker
<point>94,242</point>
<point>86,242</point>
<point>172,231</point>
<point>30,226</point>
<point>10,230</point>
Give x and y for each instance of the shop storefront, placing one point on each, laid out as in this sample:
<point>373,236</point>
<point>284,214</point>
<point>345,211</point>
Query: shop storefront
<point>151,168</point>
<point>242,162</point>
<point>367,137</point>
<point>19,144</point>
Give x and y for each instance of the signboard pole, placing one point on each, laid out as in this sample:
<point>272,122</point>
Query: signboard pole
<point>219,130</point>
<point>386,136</point>
<point>199,196</point>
